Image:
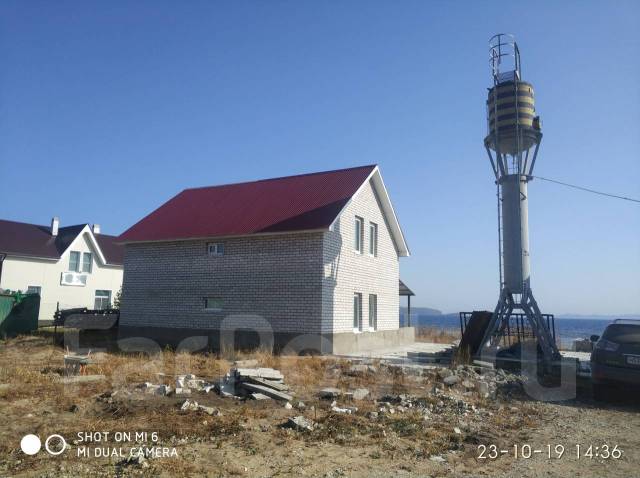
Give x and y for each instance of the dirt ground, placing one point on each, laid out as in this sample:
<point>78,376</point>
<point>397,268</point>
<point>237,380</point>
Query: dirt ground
<point>247,438</point>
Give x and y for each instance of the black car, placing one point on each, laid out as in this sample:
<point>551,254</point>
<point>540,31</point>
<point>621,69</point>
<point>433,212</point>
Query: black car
<point>615,359</point>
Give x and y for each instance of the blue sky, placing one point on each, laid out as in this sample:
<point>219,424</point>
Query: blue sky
<point>107,109</point>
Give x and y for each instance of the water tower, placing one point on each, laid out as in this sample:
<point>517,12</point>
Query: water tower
<point>512,143</point>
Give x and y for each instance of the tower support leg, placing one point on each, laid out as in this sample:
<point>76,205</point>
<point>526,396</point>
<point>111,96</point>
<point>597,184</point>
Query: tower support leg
<point>500,319</point>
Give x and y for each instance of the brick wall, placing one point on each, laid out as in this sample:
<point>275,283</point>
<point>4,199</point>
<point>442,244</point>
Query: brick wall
<point>276,278</point>
<point>347,272</point>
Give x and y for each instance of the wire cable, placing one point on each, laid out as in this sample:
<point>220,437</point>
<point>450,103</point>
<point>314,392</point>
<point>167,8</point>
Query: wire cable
<point>588,189</point>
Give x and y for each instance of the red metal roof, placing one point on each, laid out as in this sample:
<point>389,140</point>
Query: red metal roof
<point>293,203</point>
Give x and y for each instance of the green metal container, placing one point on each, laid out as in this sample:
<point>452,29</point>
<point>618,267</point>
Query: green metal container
<point>18,314</point>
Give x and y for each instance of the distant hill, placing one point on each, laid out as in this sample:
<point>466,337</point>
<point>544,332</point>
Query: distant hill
<point>421,311</point>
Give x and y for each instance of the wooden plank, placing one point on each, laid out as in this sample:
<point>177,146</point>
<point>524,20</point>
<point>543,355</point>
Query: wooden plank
<point>269,392</point>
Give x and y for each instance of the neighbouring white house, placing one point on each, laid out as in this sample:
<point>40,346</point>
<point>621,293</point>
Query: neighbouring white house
<point>73,266</point>
<point>313,259</point>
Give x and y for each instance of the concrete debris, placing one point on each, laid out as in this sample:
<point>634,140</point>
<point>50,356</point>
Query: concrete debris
<point>300,406</point>
<point>360,393</point>
<point>192,406</point>
<point>267,373</point>
<point>183,391</point>
<point>451,380</point>
<point>270,392</point>
<point>468,384</point>
<point>437,459</point>
<point>483,388</point>
<point>347,410</point>
<point>288,406</point>
<point>209,410</point>
<point>299,423</point>
<point>259,396</point>
<point>256,383</point>
<point>330,392</point>
<point>444,372</point>
<point>269,383</point>
<point>189,405</point>
<point>457,431</point>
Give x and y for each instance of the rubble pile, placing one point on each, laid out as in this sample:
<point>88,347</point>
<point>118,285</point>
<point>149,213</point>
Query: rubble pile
<point>255,383</point>
<point>240,382</point>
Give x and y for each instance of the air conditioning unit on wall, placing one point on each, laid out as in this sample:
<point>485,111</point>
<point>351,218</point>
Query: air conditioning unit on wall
<point>74,279</point>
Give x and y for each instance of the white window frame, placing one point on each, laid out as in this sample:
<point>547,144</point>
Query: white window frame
<point>82,262</point>
<point>358,230</point>
<point>373,239</point>
<point>38,287</point>
<point>373,312</point>
<point>215,249</point>
<point>78,262</point>
<point>357,312</point>
<point>107,296</point>
<point>213,309</point>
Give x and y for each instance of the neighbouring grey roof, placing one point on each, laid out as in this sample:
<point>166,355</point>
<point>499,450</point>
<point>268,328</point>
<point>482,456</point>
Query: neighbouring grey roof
<point>32,240</point>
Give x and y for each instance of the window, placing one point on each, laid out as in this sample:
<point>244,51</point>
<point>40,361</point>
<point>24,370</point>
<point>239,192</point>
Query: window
<point>373,239</point>
<point>373,311</point>
<point>34,289</point>
<point>359,233</point>
<point>213,304</point>
<point>87,262</point>
<point>215,249</point>
<point>357,311</point>
<point>102,300</point>
<point>74,261</point>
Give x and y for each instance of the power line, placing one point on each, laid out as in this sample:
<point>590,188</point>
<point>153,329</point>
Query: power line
<point>588,190</point>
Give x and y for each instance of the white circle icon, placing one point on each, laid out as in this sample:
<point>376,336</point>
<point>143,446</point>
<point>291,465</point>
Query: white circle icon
<point>30,444</point>
<point>61,443</point>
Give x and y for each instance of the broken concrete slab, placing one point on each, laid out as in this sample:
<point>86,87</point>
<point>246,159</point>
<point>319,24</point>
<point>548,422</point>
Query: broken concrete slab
<point>267,373</point>
<point>182,391</point>
<point>190,405</point>
<point>347,410</point>
<point>163,390</point>
<point>270,392</point>
<point>299,423</point>
<point>360,393</point>
<point>209,410</point>
<point>259,396</point>
<point>483,388</point>
<point>195,383</point>
<point>451,380</point>
<point>281,387</point>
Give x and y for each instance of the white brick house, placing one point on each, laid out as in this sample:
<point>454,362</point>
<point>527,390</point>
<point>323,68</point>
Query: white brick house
<point>314,255</point>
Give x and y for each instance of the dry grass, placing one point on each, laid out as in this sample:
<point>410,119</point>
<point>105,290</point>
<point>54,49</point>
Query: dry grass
<point>436,335</point>
<point>246,432</point>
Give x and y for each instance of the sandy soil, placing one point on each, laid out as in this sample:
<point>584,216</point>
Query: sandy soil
<point>247,439</point>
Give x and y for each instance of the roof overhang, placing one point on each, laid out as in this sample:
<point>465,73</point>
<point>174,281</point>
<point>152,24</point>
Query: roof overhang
<point>387,209</point>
